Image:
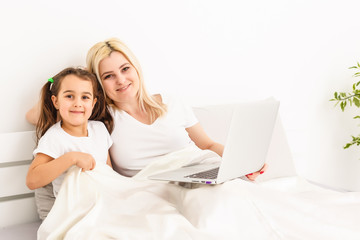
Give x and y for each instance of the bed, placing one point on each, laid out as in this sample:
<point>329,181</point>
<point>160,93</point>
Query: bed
<point>281,205</point>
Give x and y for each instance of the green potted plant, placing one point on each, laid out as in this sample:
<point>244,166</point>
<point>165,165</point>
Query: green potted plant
<point>345,99</point>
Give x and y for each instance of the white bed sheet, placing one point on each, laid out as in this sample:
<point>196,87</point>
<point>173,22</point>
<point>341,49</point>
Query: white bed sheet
<point>101,204</point>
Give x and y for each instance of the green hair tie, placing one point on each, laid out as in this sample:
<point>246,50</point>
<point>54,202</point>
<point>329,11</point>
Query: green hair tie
<point>51,80</point>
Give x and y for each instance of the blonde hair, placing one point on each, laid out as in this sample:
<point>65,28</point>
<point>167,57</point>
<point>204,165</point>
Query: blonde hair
<point>102,50</point>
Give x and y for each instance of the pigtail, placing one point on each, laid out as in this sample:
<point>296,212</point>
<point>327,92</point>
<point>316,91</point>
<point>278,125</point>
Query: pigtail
<point>48,113</point>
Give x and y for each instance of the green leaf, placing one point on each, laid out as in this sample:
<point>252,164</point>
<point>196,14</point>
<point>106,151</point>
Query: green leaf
<point>350,98</point>
<point>347,145</point>
<point>356,101</point>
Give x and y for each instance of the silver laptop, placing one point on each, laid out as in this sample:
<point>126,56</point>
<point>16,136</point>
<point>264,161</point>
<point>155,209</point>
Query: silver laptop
<point>245,149</point>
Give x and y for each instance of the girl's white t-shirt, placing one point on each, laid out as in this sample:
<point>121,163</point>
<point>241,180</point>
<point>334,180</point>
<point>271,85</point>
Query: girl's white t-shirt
<point>56,142</point>
<point>137,144</point>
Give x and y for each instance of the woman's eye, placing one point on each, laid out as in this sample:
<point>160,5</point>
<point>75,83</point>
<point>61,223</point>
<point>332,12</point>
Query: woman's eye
<point>109,76</point>
<point>125,69</point>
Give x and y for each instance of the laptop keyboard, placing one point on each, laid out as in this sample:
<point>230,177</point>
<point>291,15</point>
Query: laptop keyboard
<point>209,174</point>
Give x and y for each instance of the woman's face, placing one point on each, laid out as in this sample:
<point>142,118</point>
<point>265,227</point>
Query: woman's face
<point>119,78</point>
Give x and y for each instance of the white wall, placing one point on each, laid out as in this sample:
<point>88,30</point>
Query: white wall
<point>208,52</point>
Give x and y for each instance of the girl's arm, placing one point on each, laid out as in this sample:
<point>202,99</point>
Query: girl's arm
<point>44,169</point>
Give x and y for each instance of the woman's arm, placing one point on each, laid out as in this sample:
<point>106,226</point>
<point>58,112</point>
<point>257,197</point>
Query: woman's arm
<point>203,141</point>
<point>32,116</point>
<point>44,169</point>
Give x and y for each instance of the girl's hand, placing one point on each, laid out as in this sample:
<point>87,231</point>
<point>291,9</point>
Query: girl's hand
<point>84,161</point>
<point>253,176</point>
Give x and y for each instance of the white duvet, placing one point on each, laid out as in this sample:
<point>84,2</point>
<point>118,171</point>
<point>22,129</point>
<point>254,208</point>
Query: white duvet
<point>102,204</point>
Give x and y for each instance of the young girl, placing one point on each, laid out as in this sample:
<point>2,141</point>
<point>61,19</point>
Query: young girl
<point>65,135</point>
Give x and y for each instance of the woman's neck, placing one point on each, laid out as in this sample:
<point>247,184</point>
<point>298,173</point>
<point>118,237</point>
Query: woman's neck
<point>134,110</point>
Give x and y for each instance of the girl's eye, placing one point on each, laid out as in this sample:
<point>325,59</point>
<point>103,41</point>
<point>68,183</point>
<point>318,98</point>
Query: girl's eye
<point>68,96</point>
<point>125,69</point>
<point>85,97</point>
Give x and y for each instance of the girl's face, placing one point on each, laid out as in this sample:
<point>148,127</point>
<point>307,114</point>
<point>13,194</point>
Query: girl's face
<point>75,101</point>
<point>119,78</point>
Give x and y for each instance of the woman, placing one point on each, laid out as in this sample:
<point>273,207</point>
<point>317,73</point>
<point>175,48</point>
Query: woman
<point>145,126</point>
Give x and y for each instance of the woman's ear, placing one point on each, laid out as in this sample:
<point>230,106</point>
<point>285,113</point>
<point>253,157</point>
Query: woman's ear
<point>55,102</point>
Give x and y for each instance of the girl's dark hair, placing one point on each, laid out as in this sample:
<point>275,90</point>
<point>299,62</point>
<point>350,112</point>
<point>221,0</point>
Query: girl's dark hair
<point>49,114</point>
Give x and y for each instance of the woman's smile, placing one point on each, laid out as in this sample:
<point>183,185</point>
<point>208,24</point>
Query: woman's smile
<point>123,89</point>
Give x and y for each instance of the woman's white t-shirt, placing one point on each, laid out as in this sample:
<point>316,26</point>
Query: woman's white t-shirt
<point>137,144</point>
<point>56,142</point>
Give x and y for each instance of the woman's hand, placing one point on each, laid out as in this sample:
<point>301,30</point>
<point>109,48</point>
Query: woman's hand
<point>253,176</point>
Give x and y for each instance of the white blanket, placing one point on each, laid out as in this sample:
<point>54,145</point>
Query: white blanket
<point>102,204</point>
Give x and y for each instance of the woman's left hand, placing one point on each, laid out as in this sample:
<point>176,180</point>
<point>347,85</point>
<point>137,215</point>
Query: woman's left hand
<point>253,176</point>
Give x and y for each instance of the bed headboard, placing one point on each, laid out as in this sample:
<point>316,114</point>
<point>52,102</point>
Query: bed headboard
<point>17,203</point>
